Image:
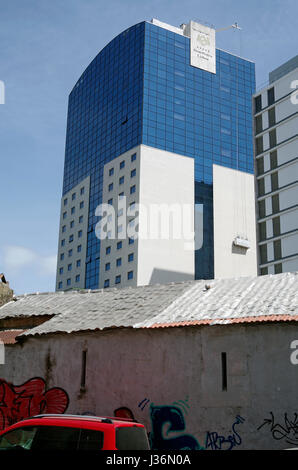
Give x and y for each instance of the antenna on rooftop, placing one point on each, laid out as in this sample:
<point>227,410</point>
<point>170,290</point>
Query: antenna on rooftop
<point>234,26</point>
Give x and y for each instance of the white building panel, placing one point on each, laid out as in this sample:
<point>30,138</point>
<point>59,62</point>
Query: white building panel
<point>268,206</point>
<point>288,197</point>
<point>289,245</point>
<point>269,228</point>
<point>282,87</point>
<point>287,130</point>
<point>290,265</point>
<point>270,252</point>
<point>166,182</point>
<point>289,221</point>
<point>287,152</point>
<point>288,175</point>
<point>234,216</point>
<point>267,165</point>
<point>284,109</point>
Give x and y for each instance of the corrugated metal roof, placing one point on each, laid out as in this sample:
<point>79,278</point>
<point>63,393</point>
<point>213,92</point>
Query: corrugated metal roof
<point>9,336</point>
<point>222,301</point>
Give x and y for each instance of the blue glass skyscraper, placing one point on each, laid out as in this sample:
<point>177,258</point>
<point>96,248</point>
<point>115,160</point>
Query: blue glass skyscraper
<point>141,89</point>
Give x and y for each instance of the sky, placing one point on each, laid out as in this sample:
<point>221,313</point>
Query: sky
<point>45,45</point>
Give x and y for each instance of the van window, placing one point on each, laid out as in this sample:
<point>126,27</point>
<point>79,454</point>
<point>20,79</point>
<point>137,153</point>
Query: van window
<point>20,438</point>
<point>131,438</point>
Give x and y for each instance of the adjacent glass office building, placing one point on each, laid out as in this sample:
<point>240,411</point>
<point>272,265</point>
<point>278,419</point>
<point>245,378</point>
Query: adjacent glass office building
<point>141,89</point>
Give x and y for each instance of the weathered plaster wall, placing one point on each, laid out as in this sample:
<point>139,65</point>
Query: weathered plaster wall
<point>171,380</point>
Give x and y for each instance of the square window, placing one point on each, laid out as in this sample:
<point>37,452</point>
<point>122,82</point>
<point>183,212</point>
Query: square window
<point>73,196</point>
<point>79,248</point>
<point>119,262</point>
<point>111,171</point>
<point>107,283</point>
<point>69,252</point>
<point>131,241</point>
<point>78,278</point>
<point>62,256</point>
<point>65,201</point>
<point>133,173</point>
<point>130,257</point>
<point>107,266</point>
<point>108,250</point>
<point>64,228</point>
<point>61,271</point>
<point>70,238</point>
<point>69,267</point>
<point>122,164</point>
<point>119,245</point>
<point>118,279</point>
<point>72,224</point>
<point>121,180</point>
<point>73,209</point>
<point>63,242</point>
<point>111,185</point>
<point>82,190</point>
<point>80,219</point>
<point>81,205</point>
<point>78,263</point>
<point>60,285</point>
<point>133,157</point>
<point>80,233</point>
<point>68,282</point>
<point>133,189</point>
<point>64,215</point>
<point>130,275</point>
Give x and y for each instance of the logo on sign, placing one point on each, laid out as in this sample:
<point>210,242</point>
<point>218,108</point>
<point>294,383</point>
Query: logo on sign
<point>203,39</point>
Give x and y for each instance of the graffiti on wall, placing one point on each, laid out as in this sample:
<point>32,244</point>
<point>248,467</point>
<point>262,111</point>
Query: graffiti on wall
<point>287,431</point>
<point>215,441</point>
<point>168,426</point>
<point>22,401</point>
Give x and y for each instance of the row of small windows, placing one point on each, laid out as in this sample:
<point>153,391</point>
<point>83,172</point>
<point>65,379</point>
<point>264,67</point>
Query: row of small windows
<point>72,224</point>
<point>119,261</point>
<point>70,252</point>
<point>69,267</point>
<point>73,196</point>
<point>71,238</point>
<point>68,281</point>
<point>118,279</point>
<point>270,99</point>
<point>122,164</point>
<point>121,181</point>
<point>119,246</point>
<point>73,210</point>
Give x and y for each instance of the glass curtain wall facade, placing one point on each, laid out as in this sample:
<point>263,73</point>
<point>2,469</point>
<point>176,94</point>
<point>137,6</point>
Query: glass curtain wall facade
<point>141,89</point>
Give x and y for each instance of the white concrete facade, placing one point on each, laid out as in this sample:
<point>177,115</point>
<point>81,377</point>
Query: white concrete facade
<point>73,229</point>
<point>276,155</point>
<point>234,216</point>
<point>162,181</point>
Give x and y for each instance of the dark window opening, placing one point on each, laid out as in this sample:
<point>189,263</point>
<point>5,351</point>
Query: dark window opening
<point>258,103</point>
<point>224,371</point>
<point>275,203</point>
<point>271,117</point>
<point>272,138</point>
<point>271,96</point>
<point>84,366</point>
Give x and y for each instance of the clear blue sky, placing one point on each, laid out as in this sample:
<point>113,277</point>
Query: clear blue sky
<point>44,47</point>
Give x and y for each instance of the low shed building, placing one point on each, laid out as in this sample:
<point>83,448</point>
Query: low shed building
<point>203,364</point>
